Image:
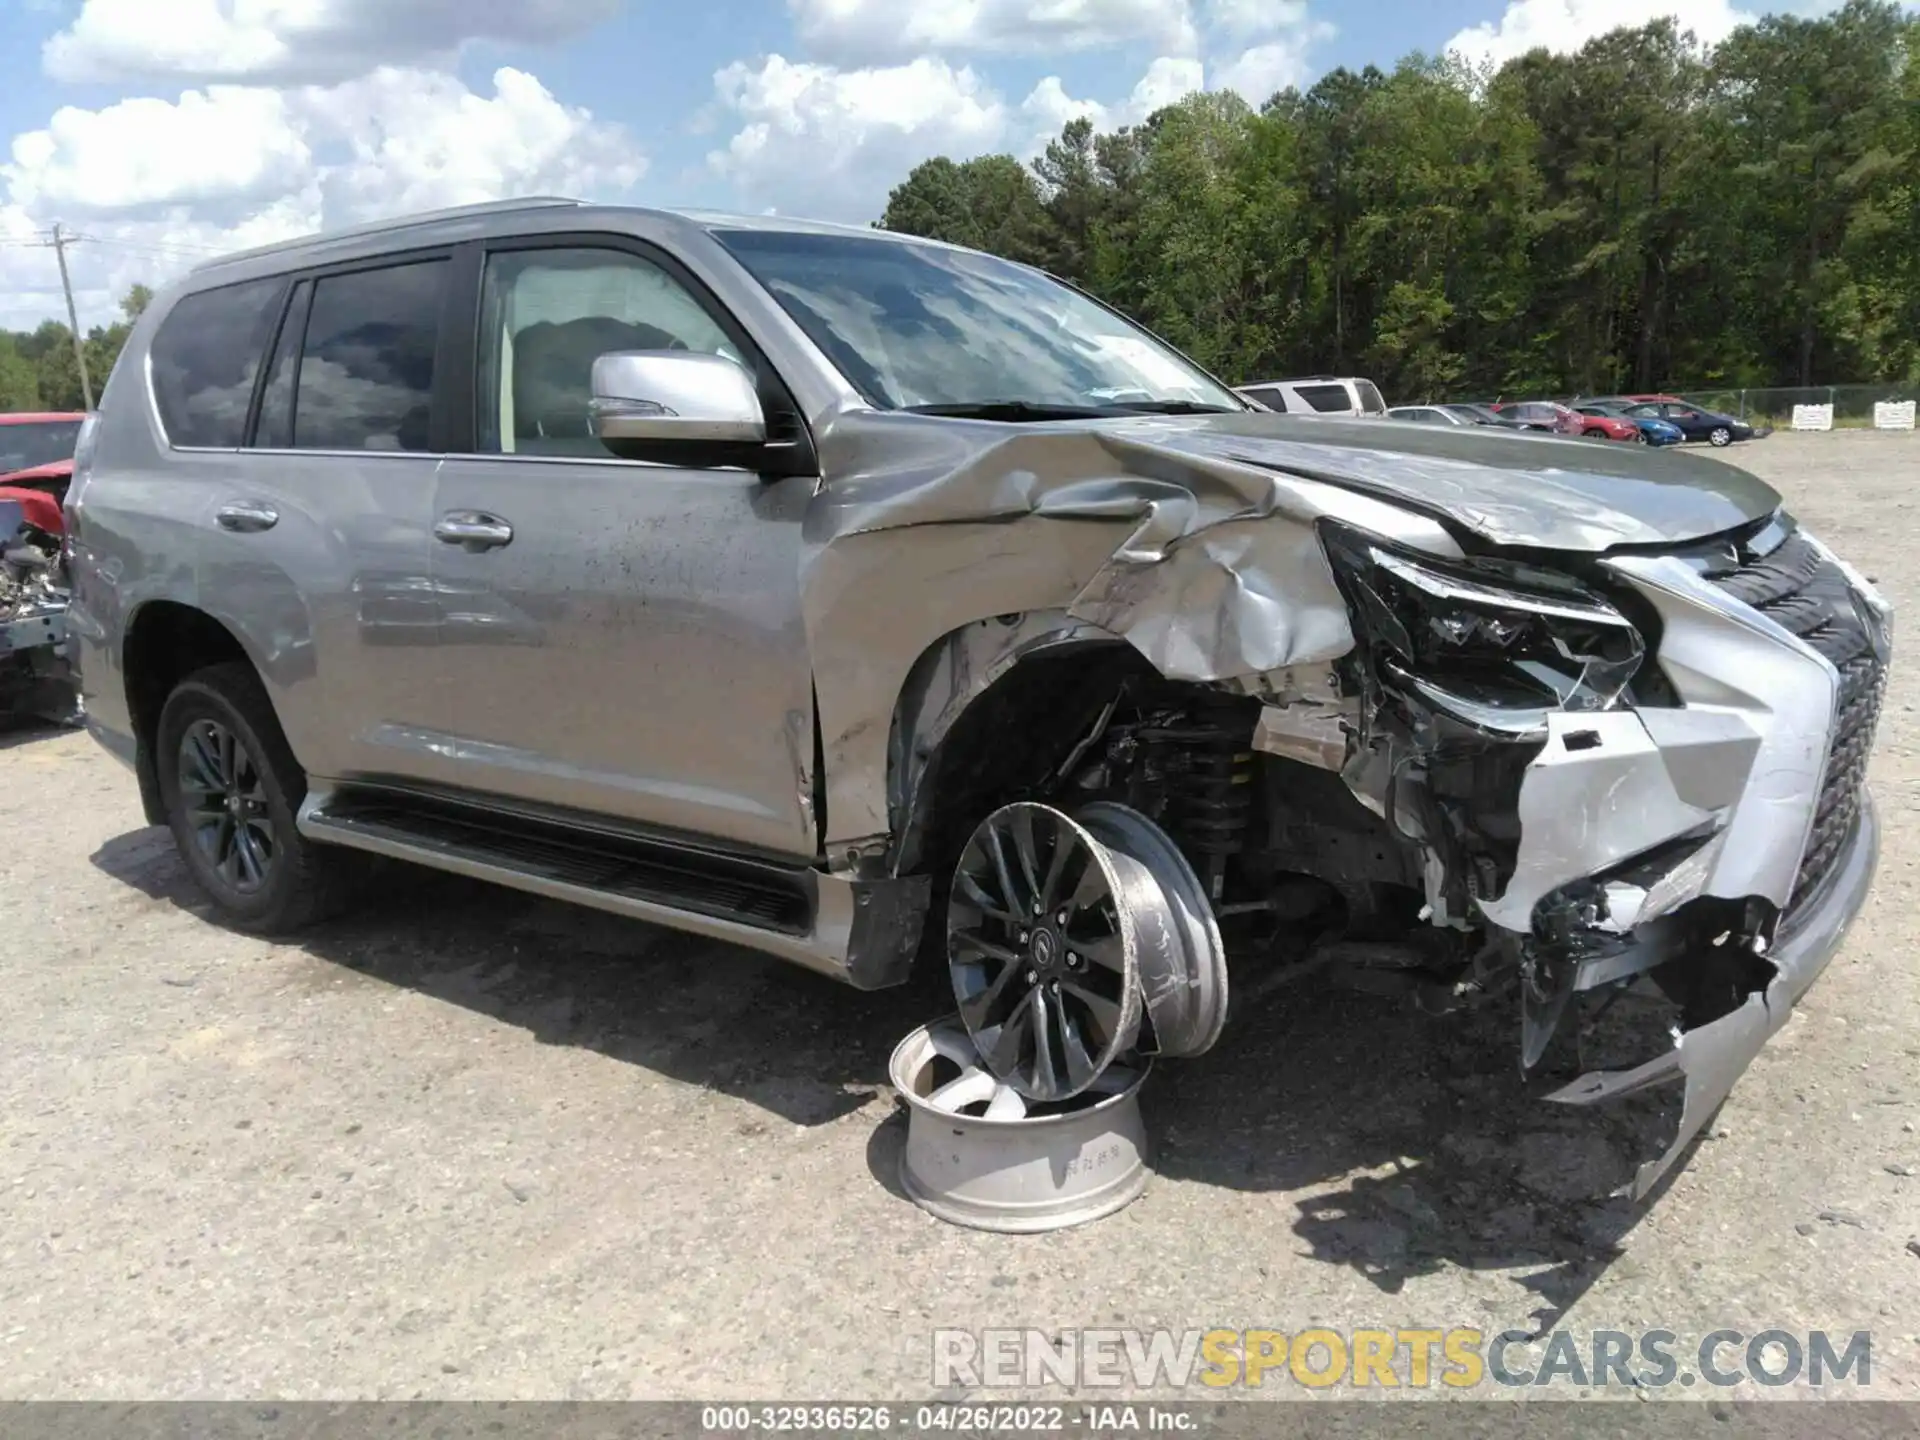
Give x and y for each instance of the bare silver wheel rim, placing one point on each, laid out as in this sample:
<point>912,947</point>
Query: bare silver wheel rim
<point>223,790</point>
<point>980,1154</point>
<point>1041,950</point>
<point>1183,964</point>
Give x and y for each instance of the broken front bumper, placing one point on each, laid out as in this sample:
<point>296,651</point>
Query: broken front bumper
<point>1712,1057</point>
<point>1740,819</point>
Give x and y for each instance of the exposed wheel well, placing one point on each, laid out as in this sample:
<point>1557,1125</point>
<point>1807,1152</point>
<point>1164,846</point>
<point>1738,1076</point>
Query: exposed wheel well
<point>1050,702</point>
<point>165,643</point>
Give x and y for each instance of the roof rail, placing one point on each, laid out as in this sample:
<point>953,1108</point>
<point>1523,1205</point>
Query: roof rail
<point>382,227</point>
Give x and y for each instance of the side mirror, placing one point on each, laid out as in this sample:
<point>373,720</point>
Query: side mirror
<point>677,407</point>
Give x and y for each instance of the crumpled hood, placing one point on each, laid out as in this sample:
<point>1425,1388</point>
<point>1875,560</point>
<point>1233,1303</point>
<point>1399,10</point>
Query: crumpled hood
<point>1193,538</point>
<point>1508,488</point>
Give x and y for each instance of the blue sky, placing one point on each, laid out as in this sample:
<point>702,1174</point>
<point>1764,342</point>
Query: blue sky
<point>166,130</point>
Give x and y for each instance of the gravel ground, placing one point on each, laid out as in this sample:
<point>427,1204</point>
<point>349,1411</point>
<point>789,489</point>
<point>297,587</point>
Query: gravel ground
<point>471,1145</point>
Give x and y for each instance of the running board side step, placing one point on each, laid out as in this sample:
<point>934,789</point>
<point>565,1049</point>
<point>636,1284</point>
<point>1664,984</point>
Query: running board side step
<point>863,933</point>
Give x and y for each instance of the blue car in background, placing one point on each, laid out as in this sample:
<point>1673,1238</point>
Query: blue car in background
<point>1653,430</point>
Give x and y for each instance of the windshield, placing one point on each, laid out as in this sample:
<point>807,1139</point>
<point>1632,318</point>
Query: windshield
<point>920,326</point>
<point>41,442</point>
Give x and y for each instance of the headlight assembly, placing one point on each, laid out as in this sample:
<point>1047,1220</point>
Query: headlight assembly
<point>1495,643</point>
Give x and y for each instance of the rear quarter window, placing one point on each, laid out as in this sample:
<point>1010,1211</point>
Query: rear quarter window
<point>1327,399</point>
<point>205,357</point>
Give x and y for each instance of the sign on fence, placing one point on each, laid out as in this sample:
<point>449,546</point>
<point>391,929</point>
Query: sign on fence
<point>1813,417</point>
<point>1893,415</point>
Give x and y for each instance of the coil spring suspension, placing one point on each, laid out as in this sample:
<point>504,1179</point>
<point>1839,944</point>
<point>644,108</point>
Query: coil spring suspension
<point>1210,808</point>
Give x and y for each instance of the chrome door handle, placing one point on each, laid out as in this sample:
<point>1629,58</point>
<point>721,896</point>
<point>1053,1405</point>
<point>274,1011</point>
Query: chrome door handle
<point>246,517</point>
<point>472,530</point>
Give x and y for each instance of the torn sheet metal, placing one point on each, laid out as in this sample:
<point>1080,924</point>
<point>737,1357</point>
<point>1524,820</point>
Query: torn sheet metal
<point>1712,1057</point>
<point>1210,568</point>
<point>1604,790</point>
<point>1305,717</point>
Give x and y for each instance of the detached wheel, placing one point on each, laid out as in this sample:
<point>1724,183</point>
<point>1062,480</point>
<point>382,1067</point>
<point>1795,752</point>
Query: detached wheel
<point>1043,950</point>
<point>1719,437</point>
<point>231,789</point>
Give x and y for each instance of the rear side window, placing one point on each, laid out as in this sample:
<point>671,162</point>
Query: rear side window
<point>366,361</point>
<point>1327,399</point>
<point>205,358</point>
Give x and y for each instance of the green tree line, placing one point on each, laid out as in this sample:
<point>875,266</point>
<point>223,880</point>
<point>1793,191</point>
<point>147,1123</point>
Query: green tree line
<point>1648,212</point>
<point>38,370</point>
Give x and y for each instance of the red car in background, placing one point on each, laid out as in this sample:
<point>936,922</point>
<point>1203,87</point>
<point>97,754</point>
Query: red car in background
<point>36,463</point>
<point>1566,421</point>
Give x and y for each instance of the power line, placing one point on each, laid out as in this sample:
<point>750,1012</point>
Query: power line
<point>156,247</point>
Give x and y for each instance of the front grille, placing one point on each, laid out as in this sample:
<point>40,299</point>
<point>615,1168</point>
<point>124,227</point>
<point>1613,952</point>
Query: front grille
<point>1800,590</point>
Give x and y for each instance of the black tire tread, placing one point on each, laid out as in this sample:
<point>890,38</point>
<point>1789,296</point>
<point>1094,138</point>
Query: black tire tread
<point>320,880</point>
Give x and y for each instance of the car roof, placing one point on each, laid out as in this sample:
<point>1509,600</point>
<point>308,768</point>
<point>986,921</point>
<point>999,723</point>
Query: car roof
<point>1305,380</point>
<point>380,234</point>
<point>40,417</point>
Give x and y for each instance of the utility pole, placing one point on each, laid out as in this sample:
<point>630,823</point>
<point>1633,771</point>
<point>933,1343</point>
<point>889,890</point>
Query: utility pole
<point>60,243</point>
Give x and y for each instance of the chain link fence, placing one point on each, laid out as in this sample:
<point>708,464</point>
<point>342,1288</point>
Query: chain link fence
<point>1852,404</point>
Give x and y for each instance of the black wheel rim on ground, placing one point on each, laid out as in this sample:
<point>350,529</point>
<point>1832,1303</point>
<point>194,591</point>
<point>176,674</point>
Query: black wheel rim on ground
<point>223,793</point>
<point>1042,949</point>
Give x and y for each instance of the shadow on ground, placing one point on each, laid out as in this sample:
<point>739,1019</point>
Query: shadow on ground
<point>1410,1141</point>
<point>16,731</point>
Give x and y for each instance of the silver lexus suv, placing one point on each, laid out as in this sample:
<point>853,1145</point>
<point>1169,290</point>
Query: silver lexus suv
<point>857,598</point>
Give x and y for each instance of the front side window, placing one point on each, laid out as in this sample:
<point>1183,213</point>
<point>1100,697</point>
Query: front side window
<point>547,315</point>
<point>1371,401</point>
<point>205,358</point>
<point>33,443</point>
<point>366,361</point>
<point>915,326</point>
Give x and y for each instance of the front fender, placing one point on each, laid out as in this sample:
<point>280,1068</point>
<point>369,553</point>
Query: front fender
<point>1210,568</point>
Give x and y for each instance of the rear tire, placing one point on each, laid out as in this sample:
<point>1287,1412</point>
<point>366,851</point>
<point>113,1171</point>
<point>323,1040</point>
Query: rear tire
<point>231,789</point>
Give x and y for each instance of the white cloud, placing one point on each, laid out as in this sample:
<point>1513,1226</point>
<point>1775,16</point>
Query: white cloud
<point>1262,70</point>
<point>156,185</point>
<point>1242,18</point>
<point>866,30</point>
<point>1050,108</point>
<point>419,140</point>
<point>1566,25</point>
<point>294,40</point>
<point>829,143</point>
<point>1255,73</point>
<point>227,144</point>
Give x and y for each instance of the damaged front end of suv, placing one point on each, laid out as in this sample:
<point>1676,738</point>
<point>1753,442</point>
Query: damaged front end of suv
<point>1486,723</point>
<point>1639,769</point>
